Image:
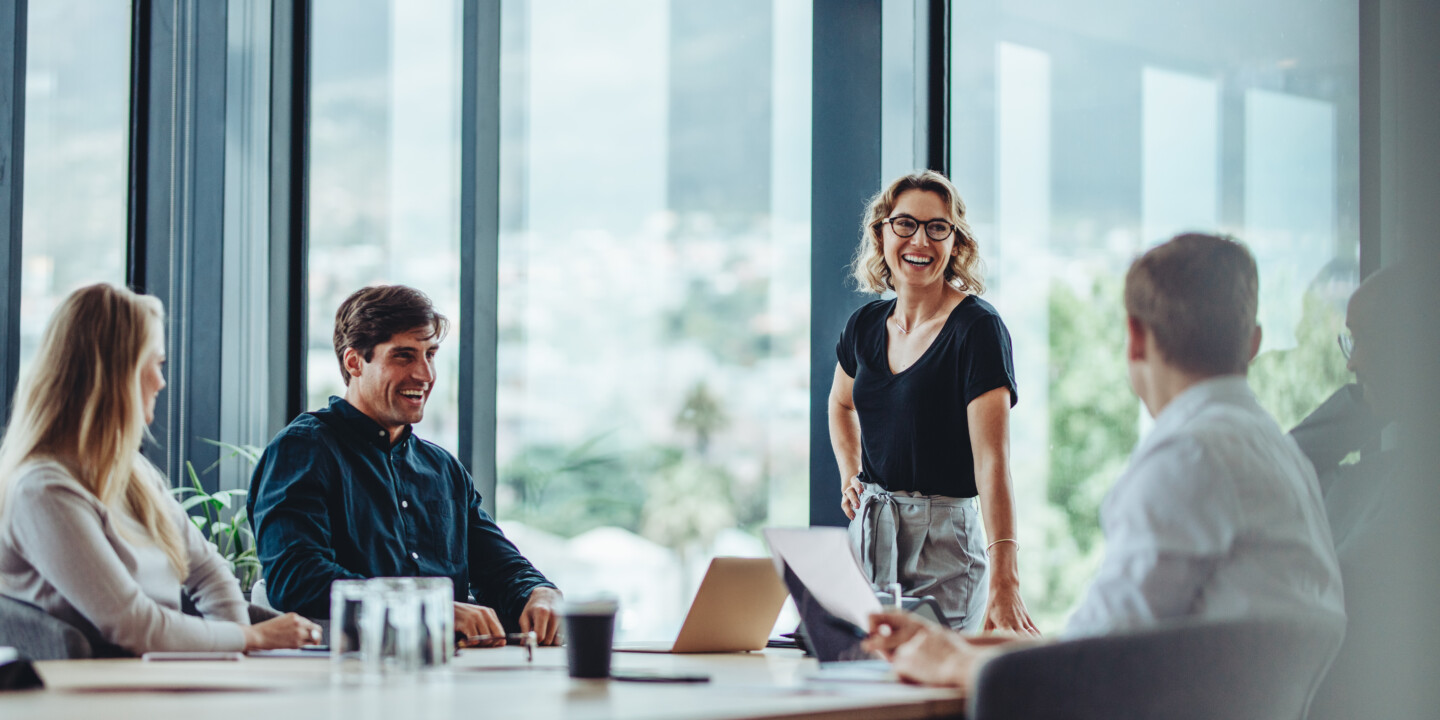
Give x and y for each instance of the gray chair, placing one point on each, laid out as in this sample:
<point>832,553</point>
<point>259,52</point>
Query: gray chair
<point>261,613</point>
<point>39,636</point>
<point>1262,669</point>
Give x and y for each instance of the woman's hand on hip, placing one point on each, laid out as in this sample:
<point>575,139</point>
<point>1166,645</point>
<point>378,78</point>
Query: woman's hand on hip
<point>850,492</point>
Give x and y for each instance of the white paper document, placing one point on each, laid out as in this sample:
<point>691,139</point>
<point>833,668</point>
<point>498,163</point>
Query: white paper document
<point>822,559</point>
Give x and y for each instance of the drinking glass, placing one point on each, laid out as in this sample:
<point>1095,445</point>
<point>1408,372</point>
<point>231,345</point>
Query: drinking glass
<point>437,621</point>
<point>390,635</point>
<point>349,600</point>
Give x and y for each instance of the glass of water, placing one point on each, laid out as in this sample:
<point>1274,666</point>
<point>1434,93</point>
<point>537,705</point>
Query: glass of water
<point>348,604</point>
<point>390,634</point>
<point>437,621</point>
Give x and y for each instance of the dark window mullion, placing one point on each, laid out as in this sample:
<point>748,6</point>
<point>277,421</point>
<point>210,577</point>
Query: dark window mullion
<point>177,215</point>
<point>139,145</point>
<point>479,240</point>
<point>845,172</point>
<point>13,28</point>
<point>289,193</point>
<point>937,144</point>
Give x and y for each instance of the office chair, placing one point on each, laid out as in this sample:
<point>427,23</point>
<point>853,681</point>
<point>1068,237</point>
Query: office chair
<point>1265,669</point>
<point>37,635</point>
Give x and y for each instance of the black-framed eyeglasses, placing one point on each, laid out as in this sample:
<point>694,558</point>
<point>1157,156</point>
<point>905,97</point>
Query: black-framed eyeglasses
<point>1347,344</point>
<point>906,226</point>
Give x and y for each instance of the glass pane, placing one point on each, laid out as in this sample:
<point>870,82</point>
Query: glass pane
<point>77,121</point>
<point>654,290</point>
<point>385,176</point>
<point>1083,136</point>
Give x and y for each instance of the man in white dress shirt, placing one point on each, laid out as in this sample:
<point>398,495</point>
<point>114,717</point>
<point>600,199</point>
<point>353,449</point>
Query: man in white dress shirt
<point>1218,515</point>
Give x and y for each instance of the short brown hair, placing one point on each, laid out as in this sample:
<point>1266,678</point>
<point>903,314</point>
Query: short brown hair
<point>1198,295</point>
<point>962,271</point>
<point>374,314</point>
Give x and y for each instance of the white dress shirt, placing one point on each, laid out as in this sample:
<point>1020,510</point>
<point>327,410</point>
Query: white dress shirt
<point>1218,516</point>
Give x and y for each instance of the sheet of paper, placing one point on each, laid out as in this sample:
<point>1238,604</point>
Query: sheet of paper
<point>821,557</point>
<point>291,653</point>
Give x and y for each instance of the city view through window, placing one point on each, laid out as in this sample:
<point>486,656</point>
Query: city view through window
<point>654,291</point>
<point>1082,137</point>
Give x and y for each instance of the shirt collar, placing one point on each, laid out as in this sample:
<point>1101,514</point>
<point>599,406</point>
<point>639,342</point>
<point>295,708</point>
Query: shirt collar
<point>1228,389</point>
<point>364,427</point>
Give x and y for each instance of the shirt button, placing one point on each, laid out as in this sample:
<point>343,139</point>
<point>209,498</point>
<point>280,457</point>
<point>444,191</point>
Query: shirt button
<point>382,434</point>
<point>404,503</point>
<point>415,556</point>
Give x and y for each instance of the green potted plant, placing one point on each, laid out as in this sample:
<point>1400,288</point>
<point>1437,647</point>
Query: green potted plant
<point>229,532</point>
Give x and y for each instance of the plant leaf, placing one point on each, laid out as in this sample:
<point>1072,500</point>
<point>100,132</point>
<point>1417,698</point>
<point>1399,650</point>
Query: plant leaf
<point>251,453</point>
<point>188,503</point>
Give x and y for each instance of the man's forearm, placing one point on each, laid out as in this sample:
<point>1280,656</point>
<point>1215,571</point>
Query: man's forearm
<point>500,576</point>
<point>294,583</point>
<point>509,602</point>
<point>966,671</point>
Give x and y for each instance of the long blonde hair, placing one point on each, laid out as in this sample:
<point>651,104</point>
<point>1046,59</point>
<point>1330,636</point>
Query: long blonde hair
<point>80,403</point>
<point>962,271</point>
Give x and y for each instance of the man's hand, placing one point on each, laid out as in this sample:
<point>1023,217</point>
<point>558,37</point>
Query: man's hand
<point>921,651</point>
<point>542,614</point>
<point>472,620</point>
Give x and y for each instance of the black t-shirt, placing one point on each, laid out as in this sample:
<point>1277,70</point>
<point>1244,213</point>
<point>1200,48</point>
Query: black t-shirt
<point>914,434</point>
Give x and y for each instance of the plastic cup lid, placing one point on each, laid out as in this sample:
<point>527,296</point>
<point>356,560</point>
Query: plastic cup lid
<point>592,605</point>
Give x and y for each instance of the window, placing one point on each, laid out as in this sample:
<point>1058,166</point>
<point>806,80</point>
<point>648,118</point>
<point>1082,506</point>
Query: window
<point>385,176</point>
<point>77,120</point>
<point>654,290</point>
<point>1081,137</point>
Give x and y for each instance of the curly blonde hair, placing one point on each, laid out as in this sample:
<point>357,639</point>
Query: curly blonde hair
<point>868,267</point>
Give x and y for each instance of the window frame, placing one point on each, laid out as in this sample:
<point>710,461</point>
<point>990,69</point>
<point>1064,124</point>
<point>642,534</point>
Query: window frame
<point>13,27</point>
<point>846,163</point>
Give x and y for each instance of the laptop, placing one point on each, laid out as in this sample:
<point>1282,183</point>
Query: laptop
<point>734,610</point>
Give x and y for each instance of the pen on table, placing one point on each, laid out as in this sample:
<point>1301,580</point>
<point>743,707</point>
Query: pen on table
<point>524,638</point>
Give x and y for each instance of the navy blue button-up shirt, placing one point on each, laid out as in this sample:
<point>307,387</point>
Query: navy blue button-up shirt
<point>332,499</point>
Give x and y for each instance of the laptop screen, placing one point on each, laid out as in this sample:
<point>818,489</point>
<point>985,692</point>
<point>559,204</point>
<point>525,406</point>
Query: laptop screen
<point>831,638</point>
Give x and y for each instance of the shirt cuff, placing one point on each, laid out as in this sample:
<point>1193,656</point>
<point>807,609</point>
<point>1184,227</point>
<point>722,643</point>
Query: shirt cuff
<point>229,637</point>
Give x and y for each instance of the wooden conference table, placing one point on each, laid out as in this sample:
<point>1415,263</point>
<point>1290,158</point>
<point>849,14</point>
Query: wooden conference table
<point>494,683</point>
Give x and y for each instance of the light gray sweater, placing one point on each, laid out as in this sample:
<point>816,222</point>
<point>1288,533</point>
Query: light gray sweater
<point>92,566</point>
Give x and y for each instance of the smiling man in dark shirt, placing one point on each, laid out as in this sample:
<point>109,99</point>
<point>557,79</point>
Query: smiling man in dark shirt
<point>349,492</point>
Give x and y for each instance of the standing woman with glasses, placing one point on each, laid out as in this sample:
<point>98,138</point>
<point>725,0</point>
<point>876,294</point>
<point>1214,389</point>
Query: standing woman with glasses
<point>87,530</point>
<point>920,413</point>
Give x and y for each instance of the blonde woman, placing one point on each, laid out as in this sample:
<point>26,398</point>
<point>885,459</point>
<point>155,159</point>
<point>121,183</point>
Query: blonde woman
<point>87,530</point>
<point>920,409</point>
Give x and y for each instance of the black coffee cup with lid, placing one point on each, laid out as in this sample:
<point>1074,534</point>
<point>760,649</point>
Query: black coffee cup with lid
<point>589,634</point>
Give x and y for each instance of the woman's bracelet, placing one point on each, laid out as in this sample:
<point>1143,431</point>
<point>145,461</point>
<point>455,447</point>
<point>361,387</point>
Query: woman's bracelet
<point>997,542</point>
